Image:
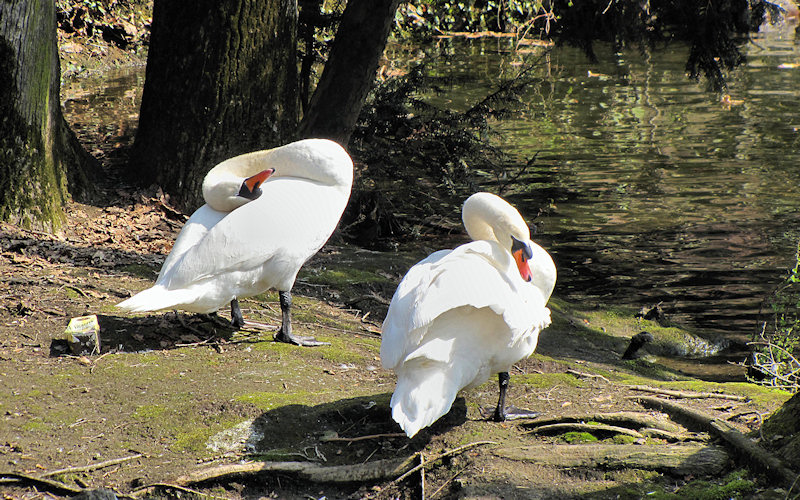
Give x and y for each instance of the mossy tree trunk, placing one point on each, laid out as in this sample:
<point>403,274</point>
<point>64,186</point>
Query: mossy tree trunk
<point>221,80</point>
<point>350,70</point>
<point>41,161</point>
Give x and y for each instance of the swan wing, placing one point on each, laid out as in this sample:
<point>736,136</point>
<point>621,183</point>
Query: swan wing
<point>194,230</point>
<point>264,242</point>
<point>480,274</point>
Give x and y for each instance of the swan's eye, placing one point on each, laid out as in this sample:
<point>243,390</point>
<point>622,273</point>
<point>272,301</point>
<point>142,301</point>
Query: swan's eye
<point>519,246</point>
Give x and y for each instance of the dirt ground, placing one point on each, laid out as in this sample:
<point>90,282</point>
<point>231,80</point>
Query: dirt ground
<point>171,395</point>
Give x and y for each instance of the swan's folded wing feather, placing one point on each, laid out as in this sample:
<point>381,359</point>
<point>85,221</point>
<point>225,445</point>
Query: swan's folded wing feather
<point>478,274</point>
<point>282,223</point>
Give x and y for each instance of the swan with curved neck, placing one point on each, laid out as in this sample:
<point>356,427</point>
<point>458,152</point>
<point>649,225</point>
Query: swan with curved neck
<point>266,214</point>
<point>461,315</point>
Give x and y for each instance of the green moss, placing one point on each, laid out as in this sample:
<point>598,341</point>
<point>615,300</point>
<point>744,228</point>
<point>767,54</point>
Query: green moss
<point>623,439</point>
<point>140,270</point>
<point>734,485</point>
<point>271,400</point>
<point>149,412</point>
<point>35,426</point>
<point>192,440</point>
<point>578,437</point>
<point>652,371</point>
<point>545,380</point>
<point>341,350</point>
<point>341,277</point>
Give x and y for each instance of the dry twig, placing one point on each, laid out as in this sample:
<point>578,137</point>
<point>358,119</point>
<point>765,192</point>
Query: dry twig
<point>91,467</point>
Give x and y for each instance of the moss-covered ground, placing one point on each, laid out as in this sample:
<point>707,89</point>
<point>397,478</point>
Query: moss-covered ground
<point>181,392</point>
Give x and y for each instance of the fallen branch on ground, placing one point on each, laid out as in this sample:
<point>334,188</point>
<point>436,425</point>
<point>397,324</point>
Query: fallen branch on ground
<point>753,454</point>
<point>686,394</point>
<point>91,467</point>
<point>362,438</point>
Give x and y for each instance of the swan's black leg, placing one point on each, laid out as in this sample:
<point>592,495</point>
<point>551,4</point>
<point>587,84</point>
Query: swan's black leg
<point>285,333</point>
<point>237,320</point>
<point>501,413</point>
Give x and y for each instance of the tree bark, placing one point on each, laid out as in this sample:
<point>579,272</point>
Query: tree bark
<point>350,70</point>
<point>221,80</point>
<point>41,160</point>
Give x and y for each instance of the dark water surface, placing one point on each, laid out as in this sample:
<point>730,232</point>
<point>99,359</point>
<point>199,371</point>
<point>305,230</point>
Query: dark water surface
<point>658,191</point>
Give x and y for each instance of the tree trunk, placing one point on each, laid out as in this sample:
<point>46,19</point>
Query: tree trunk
<point>221,80</point>
<point>40,158</point>
<point>350,70</point>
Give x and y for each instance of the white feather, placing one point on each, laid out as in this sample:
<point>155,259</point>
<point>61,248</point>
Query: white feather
<point>460,316</point>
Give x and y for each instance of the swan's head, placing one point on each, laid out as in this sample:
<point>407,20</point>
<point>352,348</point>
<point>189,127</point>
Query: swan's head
<point>251,187</point>
<point>226,189</point>
<point>486,216</point>
<point>522,254</point>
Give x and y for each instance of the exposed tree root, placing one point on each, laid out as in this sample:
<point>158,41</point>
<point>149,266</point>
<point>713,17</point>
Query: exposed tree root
<point>686,394</point>
<point>632,418</point>
<point>39,482</point>
<point>590,428</point>
<point>695,458</point>
<point>370,471</point>
<point>755,456</point>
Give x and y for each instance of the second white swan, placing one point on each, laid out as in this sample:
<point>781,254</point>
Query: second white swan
<point>461,315</point>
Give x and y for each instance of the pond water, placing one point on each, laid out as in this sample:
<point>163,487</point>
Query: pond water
<point>651,190</point>
<point>654,190</point>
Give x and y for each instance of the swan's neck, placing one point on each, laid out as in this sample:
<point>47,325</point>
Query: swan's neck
<point>222,183</point>
<point>317,160</point>
<point>489,217</point>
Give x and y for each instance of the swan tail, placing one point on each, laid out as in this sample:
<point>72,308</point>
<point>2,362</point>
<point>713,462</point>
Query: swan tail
<point>425,392</point>
<point>155,298</point>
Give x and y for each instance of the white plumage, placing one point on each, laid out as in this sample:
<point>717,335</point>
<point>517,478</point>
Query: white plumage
<point>461,315</point>
<point>233,247</point>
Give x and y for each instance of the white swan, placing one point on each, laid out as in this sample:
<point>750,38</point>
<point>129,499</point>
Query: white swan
<point>266,214</point>
<point>461,315</point>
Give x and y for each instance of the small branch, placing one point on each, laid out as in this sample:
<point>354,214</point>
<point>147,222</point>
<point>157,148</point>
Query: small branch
<point>587,375</point>
<point>91,467</point>
<point>363,438</point>
<point>686,394</point>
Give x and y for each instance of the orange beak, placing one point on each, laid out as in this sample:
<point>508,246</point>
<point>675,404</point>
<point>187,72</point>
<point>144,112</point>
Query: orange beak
<point>255,181</point>
<point>522,265</point>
